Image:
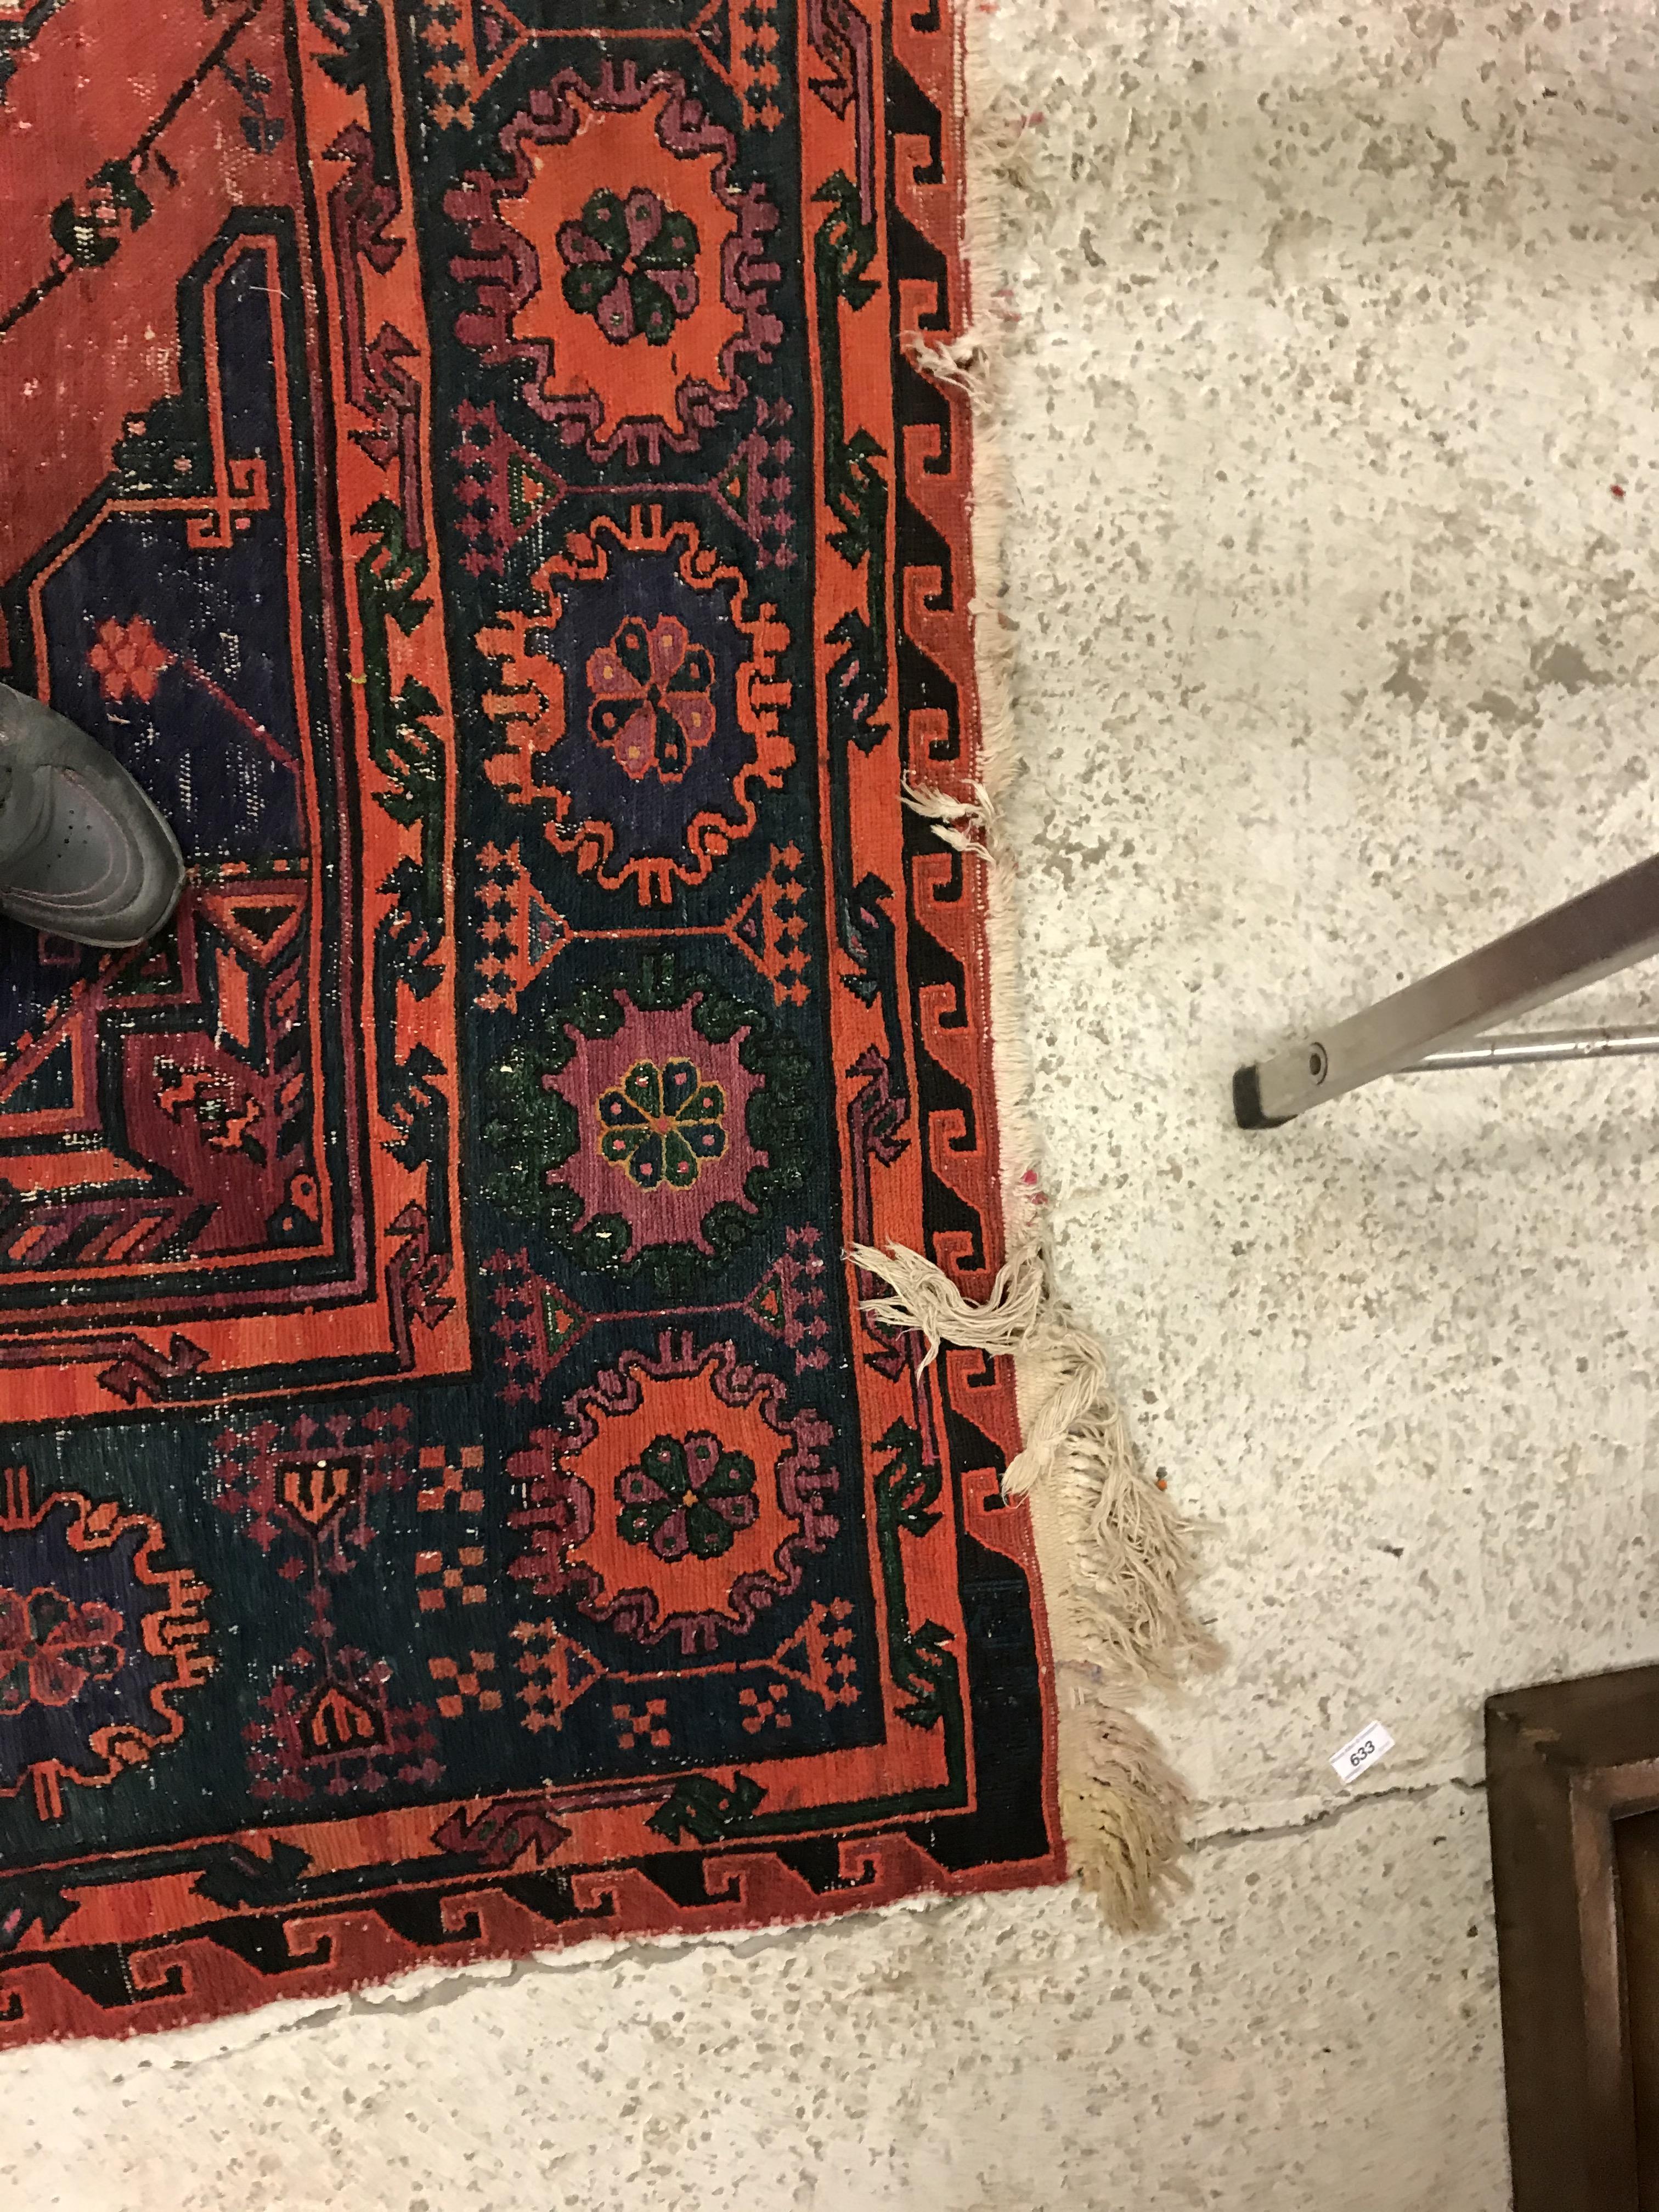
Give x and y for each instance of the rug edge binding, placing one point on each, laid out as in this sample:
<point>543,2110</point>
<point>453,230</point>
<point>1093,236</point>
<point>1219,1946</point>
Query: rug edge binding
<point>1106,1540</point>
<point>1116,1561</point>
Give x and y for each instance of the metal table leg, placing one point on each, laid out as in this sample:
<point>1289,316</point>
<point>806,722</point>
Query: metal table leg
<point>1430,1024</point>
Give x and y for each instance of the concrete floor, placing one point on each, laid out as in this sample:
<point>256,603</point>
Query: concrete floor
<point>1327,334</point>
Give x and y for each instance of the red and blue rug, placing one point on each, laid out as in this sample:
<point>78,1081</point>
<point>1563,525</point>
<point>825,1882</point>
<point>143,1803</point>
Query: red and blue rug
<point>468,463</point>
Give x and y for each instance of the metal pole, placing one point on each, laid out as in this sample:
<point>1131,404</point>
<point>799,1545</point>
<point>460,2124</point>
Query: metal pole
<point>1594,935</point>
<point>1541,1045</point>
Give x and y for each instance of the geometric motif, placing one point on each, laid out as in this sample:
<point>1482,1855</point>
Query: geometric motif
<point>183,1147</point>
<point>470,1684</point>
<point>655,1126</point>
<point>821,1657</point>
<point>499,516</point>
<point>649,1726</point>
<point>523,935</point>
<point>638,707</point>
<point>683,1499</point>
<point>97,1638</point>
<point>759,1707</point>
<point>536,1325</point>
<point>511,492</point>
<point>328,1726</point>
<point>444,1484</point>
<point>305,1493</point>
<point>471,48</point>
<point>579,286</point>
<point>557,1670</point>
<point>438,1579</point>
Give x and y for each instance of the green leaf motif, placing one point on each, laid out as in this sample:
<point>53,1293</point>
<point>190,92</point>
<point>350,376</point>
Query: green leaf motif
<point>628,263</point>
<point>674,246</point>
<point>924,1670</point>
<point>687,1496</point>
<point>699,1807</point>
<point>587,285</point>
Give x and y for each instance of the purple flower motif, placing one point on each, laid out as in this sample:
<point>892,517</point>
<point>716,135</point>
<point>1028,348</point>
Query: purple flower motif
<point>51,1646</point>
<point>662,1124</point>
<point>652,703</point>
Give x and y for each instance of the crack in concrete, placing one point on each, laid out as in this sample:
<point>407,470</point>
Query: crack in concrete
<point>1230,1838</point>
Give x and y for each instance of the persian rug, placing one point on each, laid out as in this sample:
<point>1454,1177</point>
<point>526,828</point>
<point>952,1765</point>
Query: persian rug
<point>469,462</point>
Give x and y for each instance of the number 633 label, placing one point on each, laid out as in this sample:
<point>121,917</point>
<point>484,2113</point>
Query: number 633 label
<point>1362,1750</point>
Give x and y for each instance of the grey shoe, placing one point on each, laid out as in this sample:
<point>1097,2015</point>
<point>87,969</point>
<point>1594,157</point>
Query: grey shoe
<point>84,853</point>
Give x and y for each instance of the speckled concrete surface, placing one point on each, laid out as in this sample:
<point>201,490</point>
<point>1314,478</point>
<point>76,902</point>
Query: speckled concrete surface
<point>978,2056</point>
<point>1327,335</point>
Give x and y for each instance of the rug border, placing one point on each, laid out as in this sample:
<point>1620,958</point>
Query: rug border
<point>1123,1810</point>
<point>368,1953</point>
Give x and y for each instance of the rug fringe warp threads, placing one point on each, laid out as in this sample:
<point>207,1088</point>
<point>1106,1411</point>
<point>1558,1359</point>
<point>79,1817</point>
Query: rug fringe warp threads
<point>1115,1557</point>
<point>1121,1615</point>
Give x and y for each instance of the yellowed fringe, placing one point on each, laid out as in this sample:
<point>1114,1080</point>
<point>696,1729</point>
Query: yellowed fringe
<point>1122,1808</point>
<point>1117,1562</point>
<point>1115,1557</point>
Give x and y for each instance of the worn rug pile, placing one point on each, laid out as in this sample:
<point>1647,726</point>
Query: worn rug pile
<point>472,463</point>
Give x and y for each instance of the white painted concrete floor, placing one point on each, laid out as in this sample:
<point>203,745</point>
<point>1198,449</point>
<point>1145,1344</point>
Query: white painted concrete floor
<point>1327,333</point>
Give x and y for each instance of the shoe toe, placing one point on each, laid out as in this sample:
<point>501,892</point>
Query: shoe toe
<point>104,866</point>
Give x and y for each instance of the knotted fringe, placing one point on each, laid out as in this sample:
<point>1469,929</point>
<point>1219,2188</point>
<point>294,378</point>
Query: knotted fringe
<point>1116,1561</point>
<point>1114,1555</point>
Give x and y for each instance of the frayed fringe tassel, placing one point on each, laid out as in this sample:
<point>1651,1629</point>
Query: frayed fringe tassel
<point>1123,1811</point>
<point>948,815</point>
<point>1136,1557</point>
<point>1119,1611</point>
<point>1114,1555</point>
<point>959,362</point>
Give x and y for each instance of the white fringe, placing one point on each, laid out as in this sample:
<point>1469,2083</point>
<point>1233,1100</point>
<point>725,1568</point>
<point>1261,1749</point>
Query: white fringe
<point>1115,1557</point>
<point>945,812</point>
<point>959,362</point>
<point>1138,1561</point>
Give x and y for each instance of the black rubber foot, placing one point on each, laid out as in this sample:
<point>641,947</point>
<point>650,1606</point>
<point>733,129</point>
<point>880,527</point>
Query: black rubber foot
<point>1246,1103</point>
